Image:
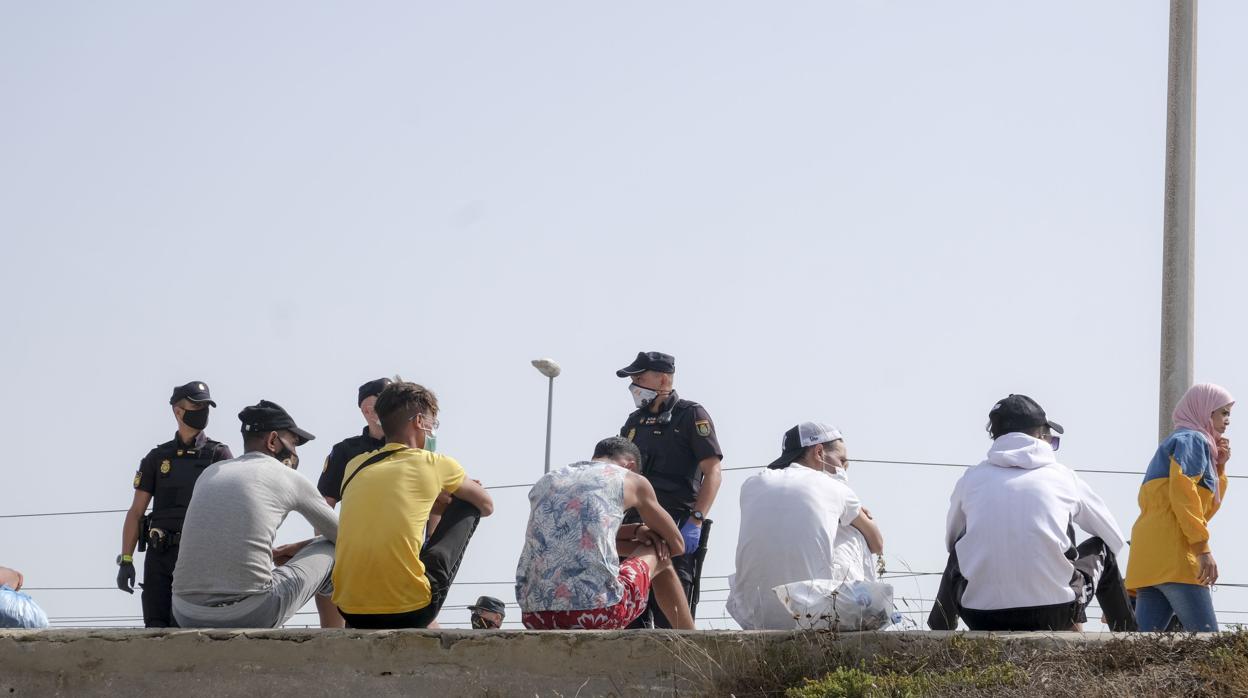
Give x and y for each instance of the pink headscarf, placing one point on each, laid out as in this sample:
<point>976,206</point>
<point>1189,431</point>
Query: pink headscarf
<point>1195,411</point>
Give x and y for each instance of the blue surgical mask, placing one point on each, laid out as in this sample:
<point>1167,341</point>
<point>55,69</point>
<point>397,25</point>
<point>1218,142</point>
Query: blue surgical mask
<point>642,396</point>
<point>431,442</point>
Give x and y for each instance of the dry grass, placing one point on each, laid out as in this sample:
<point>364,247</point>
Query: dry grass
<point>822,665</point>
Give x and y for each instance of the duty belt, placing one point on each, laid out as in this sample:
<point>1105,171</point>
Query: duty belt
<point>159,540</point>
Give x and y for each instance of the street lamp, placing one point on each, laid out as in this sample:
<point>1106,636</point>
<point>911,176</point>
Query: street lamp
<point>550,369</point>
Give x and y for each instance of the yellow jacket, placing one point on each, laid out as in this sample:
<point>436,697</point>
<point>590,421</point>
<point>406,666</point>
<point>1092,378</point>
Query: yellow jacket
<point>1177,499</point>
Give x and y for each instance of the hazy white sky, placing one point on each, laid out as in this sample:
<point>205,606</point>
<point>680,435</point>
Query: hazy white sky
<point>882,214</point>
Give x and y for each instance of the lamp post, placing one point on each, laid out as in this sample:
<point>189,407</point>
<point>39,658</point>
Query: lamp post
<point>550,369</point>
<point>1178,256</point>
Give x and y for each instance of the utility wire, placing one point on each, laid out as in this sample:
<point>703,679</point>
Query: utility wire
<point>740,467</point>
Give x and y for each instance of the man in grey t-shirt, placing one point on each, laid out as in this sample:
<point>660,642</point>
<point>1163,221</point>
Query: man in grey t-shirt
<point>226,576</point>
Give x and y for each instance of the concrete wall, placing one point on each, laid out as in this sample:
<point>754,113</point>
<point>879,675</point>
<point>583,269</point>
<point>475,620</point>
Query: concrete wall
<point>183,663</point>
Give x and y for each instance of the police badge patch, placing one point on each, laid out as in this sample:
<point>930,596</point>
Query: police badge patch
<point>631,434</point>
<point>703,427</point>
<point>164,467</point>
<point>138,477</point>
<point>325,467</point>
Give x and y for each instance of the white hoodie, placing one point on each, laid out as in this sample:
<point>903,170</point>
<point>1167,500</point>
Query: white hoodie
<point>1008,518</point>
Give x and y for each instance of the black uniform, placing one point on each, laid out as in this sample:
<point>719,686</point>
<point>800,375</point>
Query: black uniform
<point>673,442</point>
<point>168,473</point>
<point>330,483</point>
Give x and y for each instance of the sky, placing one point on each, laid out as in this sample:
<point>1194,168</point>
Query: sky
<point>882,214</point>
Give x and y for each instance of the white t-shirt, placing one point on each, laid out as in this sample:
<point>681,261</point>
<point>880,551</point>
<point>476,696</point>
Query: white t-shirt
<point>790,520</point>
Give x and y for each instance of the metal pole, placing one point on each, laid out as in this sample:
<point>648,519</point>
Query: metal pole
<point>1178,270</point>
<point>550,402</point>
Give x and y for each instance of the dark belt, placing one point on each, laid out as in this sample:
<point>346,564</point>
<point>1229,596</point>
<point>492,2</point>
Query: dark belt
<point>160,540</point>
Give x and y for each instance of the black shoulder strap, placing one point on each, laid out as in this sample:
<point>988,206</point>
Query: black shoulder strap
<point>375,459</point>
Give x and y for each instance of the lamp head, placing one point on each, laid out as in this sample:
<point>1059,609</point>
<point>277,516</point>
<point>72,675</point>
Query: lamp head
<point>548,367</point>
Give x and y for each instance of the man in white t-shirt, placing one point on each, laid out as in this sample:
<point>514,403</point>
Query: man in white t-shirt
<point>799,521</point>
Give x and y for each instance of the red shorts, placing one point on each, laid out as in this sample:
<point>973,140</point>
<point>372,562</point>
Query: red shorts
<point>634,575</point>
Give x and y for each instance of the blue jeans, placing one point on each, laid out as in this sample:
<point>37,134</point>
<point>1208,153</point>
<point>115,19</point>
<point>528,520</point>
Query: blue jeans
<point>1192,603</point>
<point>18,610</point>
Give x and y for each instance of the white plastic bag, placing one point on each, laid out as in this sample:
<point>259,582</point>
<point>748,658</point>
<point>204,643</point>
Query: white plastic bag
<point>824,604</point>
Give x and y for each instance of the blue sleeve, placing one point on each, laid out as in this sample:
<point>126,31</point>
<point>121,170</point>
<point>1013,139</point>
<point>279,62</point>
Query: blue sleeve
<point>1191,452</point>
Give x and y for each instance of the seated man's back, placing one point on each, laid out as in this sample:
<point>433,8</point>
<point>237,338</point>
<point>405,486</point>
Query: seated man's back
<point>231,524</point>
<point>790,520</point>
<point>570,575</point>
<point>569,561</point>
<point>388,574</point>
<point>1010,520</point>
<point>385,510</point>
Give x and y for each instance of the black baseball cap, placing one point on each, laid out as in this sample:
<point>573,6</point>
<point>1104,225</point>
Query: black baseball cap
<point>195,391</point>
<point>649,361</point>
<point>1019,413</point>
<point>267,416</point>
<point>489,603</point>
<point>371,388</point>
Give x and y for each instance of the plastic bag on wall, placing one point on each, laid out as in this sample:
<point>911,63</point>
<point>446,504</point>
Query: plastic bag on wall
<point>824,604</point>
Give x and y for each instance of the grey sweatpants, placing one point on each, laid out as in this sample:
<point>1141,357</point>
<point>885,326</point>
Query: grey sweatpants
<point>294,584</point>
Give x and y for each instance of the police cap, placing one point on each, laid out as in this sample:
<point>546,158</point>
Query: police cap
<point>372,388</point>
<point>265,416</point>
<point>649,361</point>
<point>195,391</point>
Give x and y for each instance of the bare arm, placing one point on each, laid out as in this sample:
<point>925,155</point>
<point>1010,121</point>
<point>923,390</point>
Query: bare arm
<point>866,525</point>
<point>639,494</point>
<point>472,492</point>
<point>130,529</point>
<point>11,578</point>
<point>331,502</point>
<point>711,479</point>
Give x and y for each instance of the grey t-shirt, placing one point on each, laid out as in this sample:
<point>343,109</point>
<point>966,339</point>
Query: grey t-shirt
<point>231,523</point>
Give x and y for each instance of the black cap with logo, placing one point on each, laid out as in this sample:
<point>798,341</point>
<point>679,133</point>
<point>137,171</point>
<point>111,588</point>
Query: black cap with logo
<point>265,416</point>
<point>371,388</point>
<point>195,391</point>
<point>649,361</point>
<point>1019,413</point>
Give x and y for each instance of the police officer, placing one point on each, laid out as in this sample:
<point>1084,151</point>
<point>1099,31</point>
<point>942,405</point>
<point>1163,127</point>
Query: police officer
<point>168,474</point>
<point>680,455</point>
<point>371,439</point>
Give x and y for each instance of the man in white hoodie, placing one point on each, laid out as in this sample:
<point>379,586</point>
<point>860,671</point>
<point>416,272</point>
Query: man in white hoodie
<point>1013,561</point>
<point>799,521</point>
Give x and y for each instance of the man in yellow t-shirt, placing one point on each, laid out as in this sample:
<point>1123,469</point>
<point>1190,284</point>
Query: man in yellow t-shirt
<point>386,574</point>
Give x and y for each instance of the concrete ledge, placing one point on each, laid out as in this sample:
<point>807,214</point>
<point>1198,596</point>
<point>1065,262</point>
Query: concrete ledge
<point>422,662</point>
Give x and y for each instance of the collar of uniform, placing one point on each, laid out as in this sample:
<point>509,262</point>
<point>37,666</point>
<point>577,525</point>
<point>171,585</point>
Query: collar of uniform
<point>197,442</point>
<point>669,404</point>
<point>369,436</point>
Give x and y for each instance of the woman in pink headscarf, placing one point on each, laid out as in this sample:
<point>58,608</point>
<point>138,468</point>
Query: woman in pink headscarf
<point>1171,565</point>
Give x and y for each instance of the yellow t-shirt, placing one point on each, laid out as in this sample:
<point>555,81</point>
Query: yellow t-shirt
<point>381,528</point>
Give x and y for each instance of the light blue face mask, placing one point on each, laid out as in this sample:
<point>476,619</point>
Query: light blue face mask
<point>431,436</point>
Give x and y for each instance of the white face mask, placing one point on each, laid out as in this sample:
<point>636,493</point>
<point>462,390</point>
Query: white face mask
<point>832,470</point>
<point>642,396</point>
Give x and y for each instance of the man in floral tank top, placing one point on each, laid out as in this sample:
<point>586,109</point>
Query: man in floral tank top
<point>570,575</point>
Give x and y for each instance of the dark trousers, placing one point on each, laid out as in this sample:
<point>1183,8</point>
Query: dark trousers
<point>158,588</point>
<point>441,556</point>
<point>1096,574</point>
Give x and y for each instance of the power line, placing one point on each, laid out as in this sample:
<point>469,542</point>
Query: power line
<point>934,464</point>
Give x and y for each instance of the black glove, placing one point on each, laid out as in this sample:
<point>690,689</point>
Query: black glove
<point>125,577</point>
